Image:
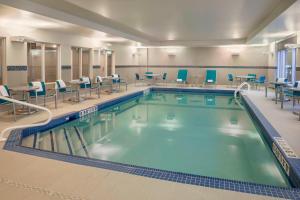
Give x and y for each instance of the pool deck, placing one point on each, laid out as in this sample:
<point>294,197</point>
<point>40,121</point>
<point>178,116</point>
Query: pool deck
<point>29,177</point>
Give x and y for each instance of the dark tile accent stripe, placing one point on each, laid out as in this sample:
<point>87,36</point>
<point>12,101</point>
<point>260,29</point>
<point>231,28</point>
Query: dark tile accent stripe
<point>198,66</point>
<point>17,68</point>
<point>13,144</point>
<point>297,69</point>
<point>66,67</point>
<point>96,67</point>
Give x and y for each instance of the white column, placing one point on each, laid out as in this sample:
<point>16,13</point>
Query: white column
<point>80,62</point>
<point>113,64</point>
<point>43,63</point>
<point>71,61</point>
<point>105,63</point>
<point>3,61</point>
<point>91,63</point>
<point>58,62</point>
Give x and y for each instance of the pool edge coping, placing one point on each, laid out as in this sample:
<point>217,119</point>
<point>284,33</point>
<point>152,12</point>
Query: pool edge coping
<point>14,139</point>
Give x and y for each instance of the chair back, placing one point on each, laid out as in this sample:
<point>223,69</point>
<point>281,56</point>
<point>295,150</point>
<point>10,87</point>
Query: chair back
<point>4,91</point>
<point>41,91</point>
<point>211,76</point>
<point>164,77</point>
<point>150,73</point>
<point>230,77</point>
<point>115,78</point>
<point>297,84</point>
<point>98,79</point>
<point>86,84</point>
<point>262,79</point>
<point>60,85</point>
<point>253,77</point>
<point>182,75</point>
<point>137,77</point>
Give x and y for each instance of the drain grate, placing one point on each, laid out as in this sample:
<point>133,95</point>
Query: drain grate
<point>289,152</point>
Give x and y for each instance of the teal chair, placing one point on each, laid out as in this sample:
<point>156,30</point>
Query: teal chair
<point>41,92</point>
<point>230,79</point>
<point>164,78</point>
<point>117,80</point>
<point>182,76</point>
<point>4,91</point>
<point>87,83</point>
<point>260,81</point>
<point>149,77</point>
<point>211,77</point>
<point>63,89</point>
<point>251,80</point>
<point>137,78</point>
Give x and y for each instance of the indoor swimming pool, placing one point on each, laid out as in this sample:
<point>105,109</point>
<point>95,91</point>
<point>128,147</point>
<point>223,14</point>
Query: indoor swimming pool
<point>205,134</point>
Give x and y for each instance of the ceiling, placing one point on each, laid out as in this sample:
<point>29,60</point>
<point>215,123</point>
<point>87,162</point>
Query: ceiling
<point>20,20</point>
<point>190,20</point>
<point>156,22</point>
<point>285,25</point>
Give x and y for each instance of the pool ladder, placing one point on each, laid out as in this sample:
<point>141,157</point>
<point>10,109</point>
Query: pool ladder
<point>239,88</point>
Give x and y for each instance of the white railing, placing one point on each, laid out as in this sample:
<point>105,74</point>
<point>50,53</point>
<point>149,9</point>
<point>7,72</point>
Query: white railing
<point>239,88</point>
<point>3,138</point>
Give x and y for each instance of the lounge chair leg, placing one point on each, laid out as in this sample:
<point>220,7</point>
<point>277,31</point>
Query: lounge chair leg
<point>14,111</point>
<point>55,100</point>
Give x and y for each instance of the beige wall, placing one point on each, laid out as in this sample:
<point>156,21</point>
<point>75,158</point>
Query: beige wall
<point>130,60</point>
<point>16,55</point>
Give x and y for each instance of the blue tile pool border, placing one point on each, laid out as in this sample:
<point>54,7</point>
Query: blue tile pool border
<point>14,140</point>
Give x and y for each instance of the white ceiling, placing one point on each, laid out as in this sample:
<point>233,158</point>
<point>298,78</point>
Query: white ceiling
<point>161,22</point>
<point>20,20</point>
<point>185,19</point>
<point>285,25</point>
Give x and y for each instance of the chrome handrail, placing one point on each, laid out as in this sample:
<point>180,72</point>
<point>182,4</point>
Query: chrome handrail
<point>2,138</point>
<point>239,88</point>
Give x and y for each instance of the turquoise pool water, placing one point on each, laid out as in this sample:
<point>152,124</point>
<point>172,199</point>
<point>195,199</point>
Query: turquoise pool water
<point>202,134</point>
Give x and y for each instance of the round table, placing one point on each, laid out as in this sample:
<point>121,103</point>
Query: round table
<point>245,77</point>
<point>153,77</point>
<point>25,90</point>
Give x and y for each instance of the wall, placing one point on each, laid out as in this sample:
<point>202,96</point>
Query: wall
<point>16,53</point>
<point>16,62</point>
<point>197,60</point>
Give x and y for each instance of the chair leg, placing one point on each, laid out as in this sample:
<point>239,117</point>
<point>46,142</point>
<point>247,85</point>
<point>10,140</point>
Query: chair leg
<point>55,101</point>
<point>14,111</point>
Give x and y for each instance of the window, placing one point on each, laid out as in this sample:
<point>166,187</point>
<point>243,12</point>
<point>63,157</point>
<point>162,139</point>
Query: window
<point>86,62</point>
<point>286,64</point>
<point>34,62</point>
<point>50,63</point>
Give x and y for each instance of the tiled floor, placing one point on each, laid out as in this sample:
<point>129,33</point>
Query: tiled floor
<point>29,177</point>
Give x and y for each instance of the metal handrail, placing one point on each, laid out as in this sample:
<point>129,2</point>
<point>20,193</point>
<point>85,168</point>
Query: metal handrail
<point>2,138</point>
<point>239,88</point>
